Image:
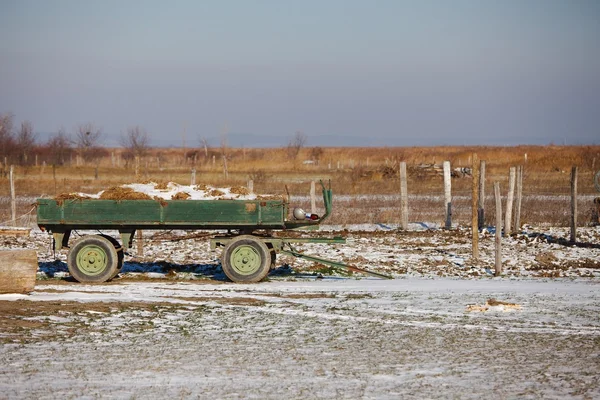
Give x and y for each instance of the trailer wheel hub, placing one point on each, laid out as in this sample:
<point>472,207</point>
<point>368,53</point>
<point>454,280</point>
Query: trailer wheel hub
<point>91,260</point>
<point>245,260</point>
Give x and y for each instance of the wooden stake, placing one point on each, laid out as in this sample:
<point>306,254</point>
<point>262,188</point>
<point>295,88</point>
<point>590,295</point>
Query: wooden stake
<point>403,197</point>
<point>481,206</point>
<point>574,204</point>
<point>13,198</point>
<point>509,202</point>
<point>517,224</point>
<point>498,228</point>
<point>313,198</point>
<point>54,177</point>
<point>140,243</point>
<point>225,171</point>
<point>251,186</point>
<point>475,206</point>
<point>447,194</point>
<point>193,178</point>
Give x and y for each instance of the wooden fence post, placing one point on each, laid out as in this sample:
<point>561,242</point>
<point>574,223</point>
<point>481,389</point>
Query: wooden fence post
<point>140,243</point>
<point>193,177</point>
<point>225,171</point>
<point>498,228</point>
<point>447,194</point>
<point>403,197</point>
<point>13,197</point>
<point>475,206</point>
<point>313,198</point>
<point>517,224</point>
<point>509,202</point>
<point>54,177</point>
<point>481,206</point>
<point>574,204</point>
<point>251,186</point>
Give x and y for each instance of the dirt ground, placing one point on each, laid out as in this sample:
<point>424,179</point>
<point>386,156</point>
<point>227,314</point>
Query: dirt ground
<point>308,338</point>
<point>171,325</point>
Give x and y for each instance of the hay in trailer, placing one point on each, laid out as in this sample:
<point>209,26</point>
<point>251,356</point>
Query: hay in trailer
<point>216,193</point>
<point>181,196</point>
<point>70,196</point>
<point>240,190</point>
<point>162,186</point>
<point>123,193</point>
<point>271,197</point>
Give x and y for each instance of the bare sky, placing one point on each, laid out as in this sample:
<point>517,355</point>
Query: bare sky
<point>343,72</point>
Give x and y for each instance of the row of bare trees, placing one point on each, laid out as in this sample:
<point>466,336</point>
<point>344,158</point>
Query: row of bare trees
<point>20,145</point>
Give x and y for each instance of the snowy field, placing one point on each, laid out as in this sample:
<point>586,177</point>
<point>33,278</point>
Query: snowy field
<point>172,326</point>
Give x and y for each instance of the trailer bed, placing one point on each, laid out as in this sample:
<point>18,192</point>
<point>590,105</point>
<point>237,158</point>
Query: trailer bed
<point>55,216</point>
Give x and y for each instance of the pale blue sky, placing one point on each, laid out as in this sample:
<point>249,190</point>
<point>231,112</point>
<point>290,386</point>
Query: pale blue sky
<point>343,72</point>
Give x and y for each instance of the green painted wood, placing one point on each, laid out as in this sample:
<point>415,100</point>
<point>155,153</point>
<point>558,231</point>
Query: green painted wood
<point>147,213</point>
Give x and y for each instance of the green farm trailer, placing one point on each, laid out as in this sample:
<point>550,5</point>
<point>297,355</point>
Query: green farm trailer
<point>249,248</point>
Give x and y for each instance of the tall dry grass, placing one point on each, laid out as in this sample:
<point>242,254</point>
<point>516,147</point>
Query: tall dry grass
<point>352,171</point>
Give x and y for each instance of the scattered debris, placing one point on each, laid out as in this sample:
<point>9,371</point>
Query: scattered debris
<point>493,305</point>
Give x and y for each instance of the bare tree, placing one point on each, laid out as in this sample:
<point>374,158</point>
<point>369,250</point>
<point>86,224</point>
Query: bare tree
<point>87,141</point>
<point>59,147</point>
<point>296,144</point>
<point>136,141</point>
<point>25,142</point>
<point>7,140</point>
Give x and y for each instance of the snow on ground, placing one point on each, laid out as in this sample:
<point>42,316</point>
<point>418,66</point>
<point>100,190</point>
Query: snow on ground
<point>195,192</point>
<point>329,338</point>
<point>172,326</point>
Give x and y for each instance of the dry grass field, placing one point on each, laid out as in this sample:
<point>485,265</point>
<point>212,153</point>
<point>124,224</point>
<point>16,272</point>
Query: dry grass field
<point>365,180</point>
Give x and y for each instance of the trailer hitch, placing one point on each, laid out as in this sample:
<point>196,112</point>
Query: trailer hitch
<point>334,264</point>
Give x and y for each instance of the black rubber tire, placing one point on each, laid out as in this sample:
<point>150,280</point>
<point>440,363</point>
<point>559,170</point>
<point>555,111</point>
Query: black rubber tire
<point>96,244</point>
<point>120,253</point>
<point>232,260</point>
<point>273,255</point>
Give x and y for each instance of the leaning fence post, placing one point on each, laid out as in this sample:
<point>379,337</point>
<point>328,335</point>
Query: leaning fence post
<point>447,194</point>
<point>574,204</point>
<point>498,228</point>
<point>481,207</point>
<point>13,199</point>
<point>403,197</point>
<point>509,202</point>
<point>475,206</point>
